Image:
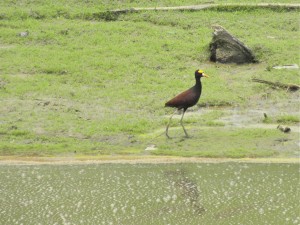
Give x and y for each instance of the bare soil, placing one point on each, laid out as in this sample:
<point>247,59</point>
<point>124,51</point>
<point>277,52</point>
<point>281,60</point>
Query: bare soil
<point>205,6</point>
<point>11,160</point>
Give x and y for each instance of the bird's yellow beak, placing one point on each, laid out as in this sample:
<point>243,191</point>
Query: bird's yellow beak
<point>205,75</point>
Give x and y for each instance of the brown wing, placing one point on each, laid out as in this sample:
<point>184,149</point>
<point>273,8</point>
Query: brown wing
<point>185,99</point>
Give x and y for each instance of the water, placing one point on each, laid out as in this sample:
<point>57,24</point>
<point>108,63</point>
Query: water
<point>186,193</point>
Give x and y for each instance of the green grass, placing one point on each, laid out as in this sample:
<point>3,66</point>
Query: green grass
<point>220,142</point>
<point>95,86</point>
<point>289,119</point>
<point>285,119</point>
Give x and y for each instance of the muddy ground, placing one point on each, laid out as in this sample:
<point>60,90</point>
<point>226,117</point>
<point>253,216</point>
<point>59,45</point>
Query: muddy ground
<point>133,160</point>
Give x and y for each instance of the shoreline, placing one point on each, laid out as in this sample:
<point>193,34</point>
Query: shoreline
<point>68,160</point>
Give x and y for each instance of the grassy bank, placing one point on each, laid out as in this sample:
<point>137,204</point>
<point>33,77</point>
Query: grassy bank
<point>94,86</point>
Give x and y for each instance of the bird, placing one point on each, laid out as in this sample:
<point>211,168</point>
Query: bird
<point>186,99</point>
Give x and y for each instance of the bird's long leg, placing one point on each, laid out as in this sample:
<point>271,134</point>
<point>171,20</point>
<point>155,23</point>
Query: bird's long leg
<point>186,134</point>
<point>169,124</point>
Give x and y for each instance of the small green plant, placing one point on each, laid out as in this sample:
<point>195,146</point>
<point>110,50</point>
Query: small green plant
<point>107,16</point>
<point>267,119</point>
<point>19,132</point>
<point>287,119</point>
<point>215,123</point>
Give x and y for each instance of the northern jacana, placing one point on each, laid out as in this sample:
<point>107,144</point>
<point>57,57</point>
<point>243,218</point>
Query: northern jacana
<point>186,99</point>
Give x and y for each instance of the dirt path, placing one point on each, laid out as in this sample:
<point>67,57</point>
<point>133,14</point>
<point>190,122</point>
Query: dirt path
<point>206,6</point>
<point>11,160</point>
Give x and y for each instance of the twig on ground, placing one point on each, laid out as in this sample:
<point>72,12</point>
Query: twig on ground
<point>288,87</point>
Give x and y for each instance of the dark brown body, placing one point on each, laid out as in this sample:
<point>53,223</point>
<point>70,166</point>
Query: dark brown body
<point>186,99</point>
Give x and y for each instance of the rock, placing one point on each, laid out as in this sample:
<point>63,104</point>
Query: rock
<point>46,103</point>
<point>284,129</point>
<point>226,48</point>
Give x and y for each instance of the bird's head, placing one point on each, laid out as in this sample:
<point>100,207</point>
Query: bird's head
<point>200,73</point>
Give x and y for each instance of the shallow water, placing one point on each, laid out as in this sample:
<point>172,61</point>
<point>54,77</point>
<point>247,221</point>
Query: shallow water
<point>183,193</point>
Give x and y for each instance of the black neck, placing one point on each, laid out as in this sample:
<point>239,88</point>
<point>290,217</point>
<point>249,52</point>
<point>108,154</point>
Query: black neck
<point>198,85</point>
<point>198,82</point>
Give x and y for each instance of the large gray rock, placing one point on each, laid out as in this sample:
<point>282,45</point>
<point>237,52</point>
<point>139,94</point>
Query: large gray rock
<point>226,48</point>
